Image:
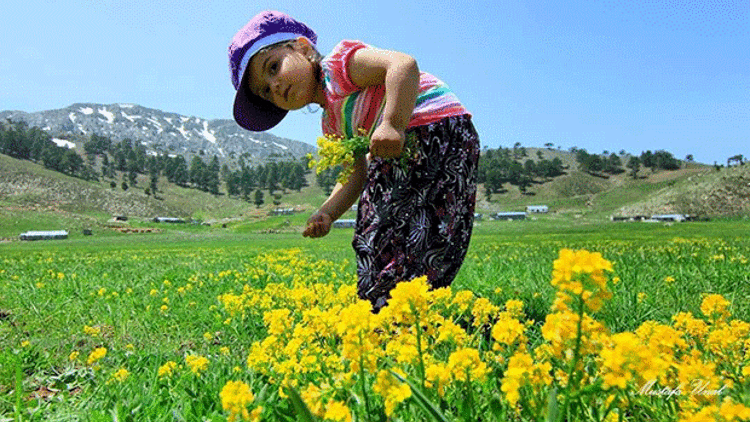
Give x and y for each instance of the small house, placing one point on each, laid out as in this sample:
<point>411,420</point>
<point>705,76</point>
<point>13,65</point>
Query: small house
<point>508,216</point>
<point>282,211</point>
<point>669,217</point>
<point>172,220</point>
<point>344,223</point>
<point>44,235</point>
<point>537,208</point>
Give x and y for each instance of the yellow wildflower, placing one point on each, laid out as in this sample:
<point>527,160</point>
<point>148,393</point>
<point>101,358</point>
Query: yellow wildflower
<point>91,331</point>
<point>465,363</point>
<point>337,411</point>
<point>121,375</point>
<point>392,390</point>
<point>198,364</point>
<point>715,306</point>
<point>167,370</point>
<point>96,355</point>
<point>235,396</point>
<point>437,375</point>
<point>312,396</point>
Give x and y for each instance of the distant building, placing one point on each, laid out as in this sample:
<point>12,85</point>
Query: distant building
<point>631,218</point>
<point>344,223</point>
<point>168,220</point>
<point>537,208</point>
<point>669,217</point>
<point>44,235</point>
<point>509,216</point>
<point>282,211</point>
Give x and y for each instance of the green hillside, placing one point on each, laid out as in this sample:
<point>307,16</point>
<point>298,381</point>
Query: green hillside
<point>34,198</point>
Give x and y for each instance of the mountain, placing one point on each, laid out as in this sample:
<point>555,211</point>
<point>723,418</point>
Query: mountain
<point>160,131</point>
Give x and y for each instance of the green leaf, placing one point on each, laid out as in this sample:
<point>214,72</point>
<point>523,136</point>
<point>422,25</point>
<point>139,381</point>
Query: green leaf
<point>303,412</point>
<point>422,400</point>
<point>552,406</point>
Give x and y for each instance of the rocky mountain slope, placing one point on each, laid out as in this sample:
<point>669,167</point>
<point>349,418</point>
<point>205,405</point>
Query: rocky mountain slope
<point>160,131</point>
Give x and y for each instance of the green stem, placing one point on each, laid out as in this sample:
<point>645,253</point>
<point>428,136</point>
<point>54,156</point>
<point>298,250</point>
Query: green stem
<point>362,376</point>
<point>419,346</point>
<point>19,388</point>
<point>574,363</point>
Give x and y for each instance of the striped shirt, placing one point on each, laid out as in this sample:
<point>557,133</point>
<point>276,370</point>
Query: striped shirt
<point>350,108</point>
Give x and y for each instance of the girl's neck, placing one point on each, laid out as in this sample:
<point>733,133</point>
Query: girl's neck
<point>320,96</point>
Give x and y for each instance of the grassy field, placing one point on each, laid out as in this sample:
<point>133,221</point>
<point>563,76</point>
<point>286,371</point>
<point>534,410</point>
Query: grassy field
<point>202,323</point>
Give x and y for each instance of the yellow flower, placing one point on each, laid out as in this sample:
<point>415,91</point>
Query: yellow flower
<point>519,365</point>
<point>465,363</point>
<point>409,300</point>
<point>25,343</point>
<point>121,375</point>
<point>167,370</point>
<point>508,330</point>
<point>96,355</point>
<point>312,396</point>
<point>392,390</point>
<point>581,273</point>
<point>235,396</point>
<point>198,364</point>
<point>73,355</point>
<point>514,308</point>
<point>715,306</point>
<point>337,411</point>
<point>438,375</point>
<point>482,310</point>
<point>91,331</point>
<point>337,151</point>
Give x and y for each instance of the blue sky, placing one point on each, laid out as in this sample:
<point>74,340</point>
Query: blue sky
<point>600,75</point>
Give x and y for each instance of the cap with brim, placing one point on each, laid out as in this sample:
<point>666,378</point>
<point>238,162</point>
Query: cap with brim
<point>264,29</point>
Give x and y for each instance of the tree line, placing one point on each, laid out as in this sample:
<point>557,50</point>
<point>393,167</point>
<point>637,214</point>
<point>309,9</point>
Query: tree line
<point>128,159</point>
<point>20,141</point>
<point>611,163</point>
<point>505,165</point>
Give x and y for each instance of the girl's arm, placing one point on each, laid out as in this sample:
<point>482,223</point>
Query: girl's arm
<point>400,75</point>
<point>341,199</point>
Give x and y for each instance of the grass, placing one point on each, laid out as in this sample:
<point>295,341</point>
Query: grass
<point>120,284</point>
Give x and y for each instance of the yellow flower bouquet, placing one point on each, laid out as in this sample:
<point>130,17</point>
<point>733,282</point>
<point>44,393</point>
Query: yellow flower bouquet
<point>335,150</point>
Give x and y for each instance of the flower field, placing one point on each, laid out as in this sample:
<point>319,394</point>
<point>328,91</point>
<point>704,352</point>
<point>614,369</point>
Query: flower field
<point>602,327</point>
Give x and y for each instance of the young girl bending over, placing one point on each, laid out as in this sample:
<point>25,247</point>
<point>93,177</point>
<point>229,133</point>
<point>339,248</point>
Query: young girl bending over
<point>411,221</point>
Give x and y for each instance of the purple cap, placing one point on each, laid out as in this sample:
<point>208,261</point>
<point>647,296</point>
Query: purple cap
<point>266,28</point>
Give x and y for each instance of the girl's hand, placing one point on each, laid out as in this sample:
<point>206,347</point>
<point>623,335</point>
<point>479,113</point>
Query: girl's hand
<point>387,141</point>
<point>318,225</point>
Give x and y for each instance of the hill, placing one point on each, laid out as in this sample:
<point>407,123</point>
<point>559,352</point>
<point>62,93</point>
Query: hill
<point>34,198</point>
<point>695,189</point>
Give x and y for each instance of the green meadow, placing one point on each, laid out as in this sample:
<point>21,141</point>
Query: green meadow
<point>154,298</point>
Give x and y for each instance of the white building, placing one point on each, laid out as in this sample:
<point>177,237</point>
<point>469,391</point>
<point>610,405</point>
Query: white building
<point>44,235</point>
<point>537,208</point>
<point>509,216</point>
<point>669,217</point>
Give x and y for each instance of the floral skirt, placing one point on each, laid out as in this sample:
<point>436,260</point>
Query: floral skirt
<point>417,220</point>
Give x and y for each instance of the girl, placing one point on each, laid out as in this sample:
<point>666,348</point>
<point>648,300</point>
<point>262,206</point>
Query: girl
<point>411,221</point>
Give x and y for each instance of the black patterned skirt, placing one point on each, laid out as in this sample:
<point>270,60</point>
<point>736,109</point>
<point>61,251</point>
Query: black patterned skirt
<point>417,221</point>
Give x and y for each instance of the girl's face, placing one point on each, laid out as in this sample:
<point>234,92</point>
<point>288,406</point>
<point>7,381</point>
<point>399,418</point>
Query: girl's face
<point>285,76</point>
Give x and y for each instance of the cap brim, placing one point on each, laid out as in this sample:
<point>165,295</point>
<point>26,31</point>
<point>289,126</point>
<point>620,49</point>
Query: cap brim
<point>256,114</point>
